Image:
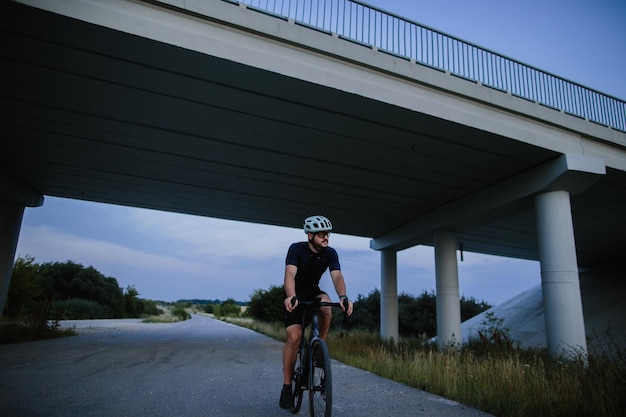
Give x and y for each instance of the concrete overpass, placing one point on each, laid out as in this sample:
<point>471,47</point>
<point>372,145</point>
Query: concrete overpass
<point>213,108</point>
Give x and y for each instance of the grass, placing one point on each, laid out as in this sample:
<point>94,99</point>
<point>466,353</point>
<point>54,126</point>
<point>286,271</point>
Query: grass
<point>502,382</point>
<point>17,332</point>
<point>170,315</point>
<point>163,318</point>
<point>36,326</point>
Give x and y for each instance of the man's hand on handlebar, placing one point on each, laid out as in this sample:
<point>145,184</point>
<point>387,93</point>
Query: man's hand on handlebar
<point>291,303</point>
<point>346,305</point>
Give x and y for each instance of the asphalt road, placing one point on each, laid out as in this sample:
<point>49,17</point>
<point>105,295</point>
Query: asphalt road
<point>200,367</point>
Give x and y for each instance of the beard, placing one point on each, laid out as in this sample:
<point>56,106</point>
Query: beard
<point>317,247</point>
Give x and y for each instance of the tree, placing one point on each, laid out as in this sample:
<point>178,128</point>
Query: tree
<point>89,284</point>
<point>470,307</point>
<point>230,308</point>
<point>148,307</point>
<point>25,287</point>
<point>56,280</point>
<point>83,292</point>
<point>417,316</point>
<point>131,305</point>
<point>366,312</point>
<point>267,305</point>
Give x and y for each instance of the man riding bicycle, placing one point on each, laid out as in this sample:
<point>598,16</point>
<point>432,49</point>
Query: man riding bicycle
<point>305,264</point>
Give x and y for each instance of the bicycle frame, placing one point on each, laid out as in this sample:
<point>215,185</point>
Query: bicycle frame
<point>304,375</point>
<point>314,334</point>
<point>315,330</point>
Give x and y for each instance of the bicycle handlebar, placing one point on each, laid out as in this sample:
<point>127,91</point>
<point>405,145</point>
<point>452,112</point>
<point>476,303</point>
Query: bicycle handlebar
<point>318,303</point>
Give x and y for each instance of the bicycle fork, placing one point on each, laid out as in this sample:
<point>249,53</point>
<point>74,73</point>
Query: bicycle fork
<point>306,347</point>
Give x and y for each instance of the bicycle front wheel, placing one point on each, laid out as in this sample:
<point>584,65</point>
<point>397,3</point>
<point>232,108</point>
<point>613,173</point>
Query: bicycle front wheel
<point>298,382</point>
<point>321,391</point>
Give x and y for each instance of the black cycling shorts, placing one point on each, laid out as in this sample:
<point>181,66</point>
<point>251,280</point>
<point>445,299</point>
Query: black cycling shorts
<point>295,317</point>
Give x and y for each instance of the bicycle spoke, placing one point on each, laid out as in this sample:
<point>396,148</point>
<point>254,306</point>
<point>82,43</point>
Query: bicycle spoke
<point>314,370</point>
<point>297,384</point>
<point>320,396</point>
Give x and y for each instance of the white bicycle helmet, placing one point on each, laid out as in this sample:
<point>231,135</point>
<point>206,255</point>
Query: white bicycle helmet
<point>316,224</point>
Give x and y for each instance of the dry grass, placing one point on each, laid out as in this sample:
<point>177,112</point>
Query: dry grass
<point>513,383</point>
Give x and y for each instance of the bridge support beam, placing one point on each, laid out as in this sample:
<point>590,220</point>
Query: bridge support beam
<point>389,295</point>
<point>560,285</point>
<point>11,215</point>
<point>14,197</point>
<point>447,297</point>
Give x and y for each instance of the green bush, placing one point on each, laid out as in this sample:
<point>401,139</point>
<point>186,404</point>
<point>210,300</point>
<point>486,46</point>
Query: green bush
<point>417,316</point>
<point>179,311</point>
<point>149,308</point>
<point>75,291</point>
<point>24,288</point>
<point>267,305</point>
<point>366,314</point>
<point>36,326</point>
<point>229,308</point>
<point>80,309</point>
<point>493,337</point>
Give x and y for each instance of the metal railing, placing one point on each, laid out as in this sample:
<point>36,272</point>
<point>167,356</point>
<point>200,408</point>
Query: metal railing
<point>367,25</point>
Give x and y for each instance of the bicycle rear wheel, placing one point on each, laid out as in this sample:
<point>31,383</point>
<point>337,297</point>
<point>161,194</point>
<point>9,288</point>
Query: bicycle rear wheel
<point>298,383</point>
<point>321,388</point>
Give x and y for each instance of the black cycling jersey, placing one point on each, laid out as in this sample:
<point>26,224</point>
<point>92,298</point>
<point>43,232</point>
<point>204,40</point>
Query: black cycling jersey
<point>311,266</point>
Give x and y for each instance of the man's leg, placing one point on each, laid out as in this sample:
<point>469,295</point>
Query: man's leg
<point>325,317</point>
<point>290,349</point>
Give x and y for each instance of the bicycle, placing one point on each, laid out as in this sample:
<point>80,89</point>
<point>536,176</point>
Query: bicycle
<point>311,370</point>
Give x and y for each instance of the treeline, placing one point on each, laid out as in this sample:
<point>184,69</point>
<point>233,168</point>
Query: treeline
<point>70,291</point>
<point>417,316</point>
<point>226,308</point>
<point>203,302</point>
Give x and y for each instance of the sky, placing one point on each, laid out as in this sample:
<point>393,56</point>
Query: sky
<point>168,256</point>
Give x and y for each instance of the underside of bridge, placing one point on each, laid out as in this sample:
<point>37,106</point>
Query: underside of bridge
<point>95,114</point>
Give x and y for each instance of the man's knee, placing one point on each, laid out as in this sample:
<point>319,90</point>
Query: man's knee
<point>325,313</point>
<point>293,335</point>
<point>324,297</point>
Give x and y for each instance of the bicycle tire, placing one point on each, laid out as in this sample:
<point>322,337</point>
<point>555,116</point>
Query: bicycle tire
<point>320,387</point>
<point>298,381</point>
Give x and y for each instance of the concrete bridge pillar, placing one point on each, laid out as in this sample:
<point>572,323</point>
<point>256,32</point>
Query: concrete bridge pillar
<point>447,297</point>
<point>565,326</point>
<point>389,295</point>
<point>11,215</point>
<point>14,197</point>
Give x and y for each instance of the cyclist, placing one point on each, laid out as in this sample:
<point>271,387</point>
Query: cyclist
<point>305,264</point>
